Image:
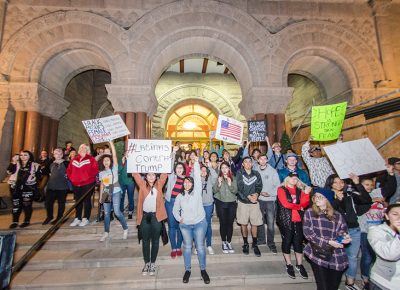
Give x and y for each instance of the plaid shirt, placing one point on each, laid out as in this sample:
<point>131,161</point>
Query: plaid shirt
<point>319,230</point>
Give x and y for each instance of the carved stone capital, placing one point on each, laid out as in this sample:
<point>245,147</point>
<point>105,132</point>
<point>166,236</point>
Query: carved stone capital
<point>265,100</point>
<point>380,7</point>
<point>34,97</point>
<point>129,98</point>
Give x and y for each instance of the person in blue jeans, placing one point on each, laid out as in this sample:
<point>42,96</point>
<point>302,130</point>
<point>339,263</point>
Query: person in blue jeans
<point>174,188</point>
<point>208,178</point>
<point>189,211</point>
<point>127,185</point>
<point>108,176</point>
<point>350,202</point>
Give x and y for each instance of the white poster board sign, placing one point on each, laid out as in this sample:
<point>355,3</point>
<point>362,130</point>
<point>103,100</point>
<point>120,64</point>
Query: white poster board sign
<point>149,156</point>
<point>358,157</point>
<point>229,130</point>
<point>105,129</point>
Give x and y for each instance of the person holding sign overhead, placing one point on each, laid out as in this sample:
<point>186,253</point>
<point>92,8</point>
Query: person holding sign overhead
<point>110,191</point>
<point>150,213</point>
<point>318,165</point>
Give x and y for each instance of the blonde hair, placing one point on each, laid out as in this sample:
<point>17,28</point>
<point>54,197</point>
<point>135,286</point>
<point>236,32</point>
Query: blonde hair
<point>275,144</point>
<point>329,211</point>
<point>299,183</point>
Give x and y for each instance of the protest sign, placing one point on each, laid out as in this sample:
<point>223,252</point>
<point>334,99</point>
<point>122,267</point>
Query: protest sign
<point>327,121</point>
<point>358,157</point>
<point>105,129</point>
<point>229,130</point>
<point>257,131</point>
<point>149,156</point>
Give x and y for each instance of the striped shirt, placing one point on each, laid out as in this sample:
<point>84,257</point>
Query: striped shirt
<point>320,230</point>
<point>178,187</point>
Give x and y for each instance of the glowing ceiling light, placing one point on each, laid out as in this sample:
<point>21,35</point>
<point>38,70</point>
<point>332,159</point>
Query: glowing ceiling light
<point>189,125</point>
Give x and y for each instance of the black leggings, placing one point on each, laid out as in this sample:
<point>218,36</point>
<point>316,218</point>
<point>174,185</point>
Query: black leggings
<point>292,236</point>
<point>79,191</point>
<point>226,212</point>
<point>326,279</point>
<point>22,200</point>
<point>51,196</point>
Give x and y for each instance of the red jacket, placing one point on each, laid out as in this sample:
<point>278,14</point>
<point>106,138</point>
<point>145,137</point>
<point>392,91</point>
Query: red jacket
<point>304,202</point>
<point>82,171</point>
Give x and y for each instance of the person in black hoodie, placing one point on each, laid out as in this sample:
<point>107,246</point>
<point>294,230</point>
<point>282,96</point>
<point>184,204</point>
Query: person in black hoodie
<point>249,185</point>
<point>350,202</point>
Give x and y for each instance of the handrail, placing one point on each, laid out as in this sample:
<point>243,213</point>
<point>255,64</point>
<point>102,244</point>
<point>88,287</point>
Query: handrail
<point>39,243</point>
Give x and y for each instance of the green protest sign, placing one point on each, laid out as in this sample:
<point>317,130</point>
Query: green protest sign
<point>327,121</point>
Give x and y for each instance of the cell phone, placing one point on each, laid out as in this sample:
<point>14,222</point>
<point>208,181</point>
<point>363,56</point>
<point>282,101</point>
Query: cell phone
<point>340,239</point>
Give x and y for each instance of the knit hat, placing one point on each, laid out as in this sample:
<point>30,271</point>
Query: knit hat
<point>329,194</point>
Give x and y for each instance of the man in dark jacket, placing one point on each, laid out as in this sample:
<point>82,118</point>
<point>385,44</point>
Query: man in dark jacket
<point>249,187</point>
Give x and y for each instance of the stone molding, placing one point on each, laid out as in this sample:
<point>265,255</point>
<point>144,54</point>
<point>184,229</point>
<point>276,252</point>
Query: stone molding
<point>266,100</point>
<point>34,97</point>
<point>129,98</point>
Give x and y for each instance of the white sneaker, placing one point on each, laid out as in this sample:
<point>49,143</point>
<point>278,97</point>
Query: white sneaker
<point>125,234</point>
<point>84,222</point>
<point>230,248</point>
<point>210,250</point>
<point>104,237</point>
<point>194,251</point>
<point>225,248</point>
<point>75,222</point>
<point>152,269</point>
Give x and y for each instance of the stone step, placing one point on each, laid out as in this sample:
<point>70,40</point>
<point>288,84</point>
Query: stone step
<point>243,274</point>
<point>110,256</point>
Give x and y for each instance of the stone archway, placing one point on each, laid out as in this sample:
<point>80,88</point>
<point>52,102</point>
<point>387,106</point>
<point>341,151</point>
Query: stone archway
<point>199,28</point>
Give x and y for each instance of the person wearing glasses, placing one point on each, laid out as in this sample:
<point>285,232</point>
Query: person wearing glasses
<point>275,158</point>
<point>318,165</point>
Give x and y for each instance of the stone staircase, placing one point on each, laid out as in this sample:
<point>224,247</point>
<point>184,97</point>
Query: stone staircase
<point>75,259</point>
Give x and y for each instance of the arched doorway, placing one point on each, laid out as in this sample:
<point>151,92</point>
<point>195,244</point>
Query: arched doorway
<point>191,123</point>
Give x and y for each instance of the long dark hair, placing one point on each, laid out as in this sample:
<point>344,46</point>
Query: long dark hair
<point>230,174</point>
<point>330,180</point>
<point>192,181</point>
<point>101,162</point>
<point>30,160</point>
<point>207,170</point>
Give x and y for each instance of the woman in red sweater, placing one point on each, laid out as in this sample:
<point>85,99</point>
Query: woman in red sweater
<point>291,202</point>
<point>82,172</point>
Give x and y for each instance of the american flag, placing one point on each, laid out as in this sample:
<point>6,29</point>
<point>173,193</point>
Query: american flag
<point>231,130</point>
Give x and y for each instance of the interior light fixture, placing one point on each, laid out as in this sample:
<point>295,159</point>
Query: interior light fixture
<point>189,125</point>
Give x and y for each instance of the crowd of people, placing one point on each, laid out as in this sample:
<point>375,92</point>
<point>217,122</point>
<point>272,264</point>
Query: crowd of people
<point>319,215</point>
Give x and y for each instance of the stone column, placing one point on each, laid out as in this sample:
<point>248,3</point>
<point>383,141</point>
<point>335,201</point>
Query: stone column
<point>271,101</point>
<point>32,131</point>
<point>279,126</point>
<point>383,17</point>
<point>130,123</point>
<point>271,127</point>
<point>53,134</point>
<point>45,134</point>
<point>138,102</point>
<point>140,129</point>
<point>18,132</point>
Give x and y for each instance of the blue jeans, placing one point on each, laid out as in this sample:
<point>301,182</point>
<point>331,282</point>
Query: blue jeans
<point>209,209</point>
<point>174,232</point>
<point>352,252</point>
<point>116,198</point>
<point>367,257</point>
<point>130,189</point>
<point>196,232</point>
<point>268,212</point>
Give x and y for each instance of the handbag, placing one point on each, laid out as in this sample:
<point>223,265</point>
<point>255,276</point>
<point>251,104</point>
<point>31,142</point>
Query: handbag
<point>164,234</point>
<point>323,253</point>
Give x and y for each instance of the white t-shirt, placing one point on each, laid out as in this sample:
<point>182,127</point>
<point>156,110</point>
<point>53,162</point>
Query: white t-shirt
<point>149,204</point>
<point>106,177</point>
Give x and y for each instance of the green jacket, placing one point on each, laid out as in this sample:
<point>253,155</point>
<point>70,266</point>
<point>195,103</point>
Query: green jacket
<point>225,193</point>
<point>123,176</point>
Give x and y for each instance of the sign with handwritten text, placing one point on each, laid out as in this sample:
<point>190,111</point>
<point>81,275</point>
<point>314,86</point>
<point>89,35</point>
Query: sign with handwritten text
<point>327,121</point>
<point>105,129</point>
<point>358,157</point>
<point>149,156</point>
<point>257,131</point>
